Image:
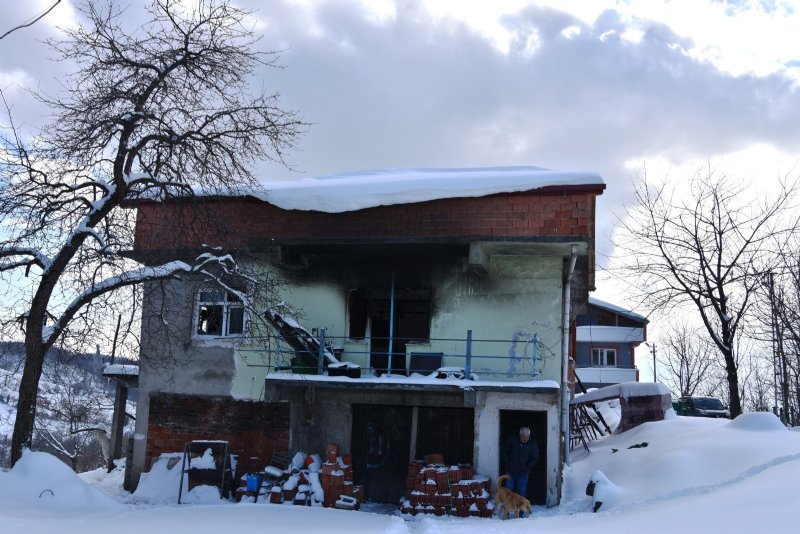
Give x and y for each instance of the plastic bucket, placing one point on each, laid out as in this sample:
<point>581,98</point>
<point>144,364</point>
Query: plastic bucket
<point>252,483</point>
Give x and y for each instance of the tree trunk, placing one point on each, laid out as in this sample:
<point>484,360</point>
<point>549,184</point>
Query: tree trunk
<point>28,389</point>
<point>732,375</point>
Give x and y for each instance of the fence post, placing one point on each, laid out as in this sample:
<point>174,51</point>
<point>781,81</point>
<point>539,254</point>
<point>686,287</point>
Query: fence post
<point>321,350</point>
<point>468,366</point>
<point>534,355</point>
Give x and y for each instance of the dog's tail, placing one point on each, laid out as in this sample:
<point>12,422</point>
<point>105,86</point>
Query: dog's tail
<point>501,479</point>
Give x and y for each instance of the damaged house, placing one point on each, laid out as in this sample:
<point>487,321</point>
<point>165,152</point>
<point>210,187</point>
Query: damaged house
<point>424,313</point>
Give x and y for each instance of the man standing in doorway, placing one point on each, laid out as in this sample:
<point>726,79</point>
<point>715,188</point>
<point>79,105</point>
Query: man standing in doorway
<point>520,454</point>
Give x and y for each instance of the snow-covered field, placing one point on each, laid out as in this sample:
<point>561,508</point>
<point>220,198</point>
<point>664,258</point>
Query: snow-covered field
<point>693,475</point>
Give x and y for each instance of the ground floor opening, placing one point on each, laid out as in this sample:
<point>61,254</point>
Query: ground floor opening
<point>386,438</point>
<point>510,423</point>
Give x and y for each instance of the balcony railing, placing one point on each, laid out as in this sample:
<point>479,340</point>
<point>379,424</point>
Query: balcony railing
<point>607,375</point>
<point>515,359</point>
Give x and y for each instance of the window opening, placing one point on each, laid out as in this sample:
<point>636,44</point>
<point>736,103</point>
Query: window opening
<point>370,316</point>
<point>219,313</point>
<point>604,357</point>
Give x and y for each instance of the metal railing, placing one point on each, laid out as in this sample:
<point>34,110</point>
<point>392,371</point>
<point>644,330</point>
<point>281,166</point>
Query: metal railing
<point>511,359</point>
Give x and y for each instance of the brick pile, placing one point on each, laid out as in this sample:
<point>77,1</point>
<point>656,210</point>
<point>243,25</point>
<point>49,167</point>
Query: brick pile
<point>435,488</point>
<point>328,484</point>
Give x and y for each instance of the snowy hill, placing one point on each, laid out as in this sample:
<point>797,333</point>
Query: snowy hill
<point>73,395</point>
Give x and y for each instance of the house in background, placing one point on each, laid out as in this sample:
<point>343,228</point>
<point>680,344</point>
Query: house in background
<point>399,273</point>
<point>606,337</point>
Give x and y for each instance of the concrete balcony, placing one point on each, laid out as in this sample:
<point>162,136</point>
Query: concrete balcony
<point>609,334</point>
<point>606,375</point>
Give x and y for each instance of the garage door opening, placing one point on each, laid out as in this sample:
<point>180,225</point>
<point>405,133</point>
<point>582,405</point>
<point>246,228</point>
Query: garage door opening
<point>386,438</point>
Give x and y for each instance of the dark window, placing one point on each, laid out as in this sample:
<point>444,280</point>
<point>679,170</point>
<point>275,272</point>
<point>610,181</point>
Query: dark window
<point>357,312</point>
<point>219,313</point>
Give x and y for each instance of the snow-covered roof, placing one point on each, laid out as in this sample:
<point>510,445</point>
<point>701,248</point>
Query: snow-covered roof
<point>351,191</point>
<point>617,309</point>
<point>625,390</point>
<point>121,370</point>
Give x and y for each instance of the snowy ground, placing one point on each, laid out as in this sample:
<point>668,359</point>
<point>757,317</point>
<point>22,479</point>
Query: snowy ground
<point>694,475</point>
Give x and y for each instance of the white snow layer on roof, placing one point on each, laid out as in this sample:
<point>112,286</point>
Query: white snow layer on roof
<point>625,390</point>
<point>351,191</point>
<point>121,369</point>
<point>617,309</point>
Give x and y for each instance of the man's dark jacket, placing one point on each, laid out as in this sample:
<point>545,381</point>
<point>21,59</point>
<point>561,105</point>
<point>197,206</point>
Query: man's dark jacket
<point>519,458</point>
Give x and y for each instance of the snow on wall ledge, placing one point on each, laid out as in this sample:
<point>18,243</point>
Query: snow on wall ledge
<point>352,191</point>
<point>625,390</point>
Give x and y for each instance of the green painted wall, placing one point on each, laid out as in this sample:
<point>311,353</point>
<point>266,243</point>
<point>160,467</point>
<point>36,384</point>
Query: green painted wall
<point>518,297</point>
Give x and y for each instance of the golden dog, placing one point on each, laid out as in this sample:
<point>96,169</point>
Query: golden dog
<point>512,502</point>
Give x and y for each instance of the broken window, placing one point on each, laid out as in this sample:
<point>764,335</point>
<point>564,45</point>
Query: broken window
<point>357,312</point>
<point>219,313</point>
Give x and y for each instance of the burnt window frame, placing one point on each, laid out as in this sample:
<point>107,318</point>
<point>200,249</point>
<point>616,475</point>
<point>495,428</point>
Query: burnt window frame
<point>228,303</point>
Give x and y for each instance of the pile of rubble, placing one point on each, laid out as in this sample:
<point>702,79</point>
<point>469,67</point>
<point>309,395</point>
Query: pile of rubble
<point>435,488</point>
<point>306,481</point>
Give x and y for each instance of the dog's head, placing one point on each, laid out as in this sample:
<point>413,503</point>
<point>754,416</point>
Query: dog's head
<point>526,507</point>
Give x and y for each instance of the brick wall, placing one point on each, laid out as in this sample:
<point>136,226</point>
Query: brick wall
<point>254,430</point>
<point>250,223</point>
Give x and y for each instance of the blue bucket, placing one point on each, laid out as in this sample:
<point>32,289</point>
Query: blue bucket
<point>251,482</point>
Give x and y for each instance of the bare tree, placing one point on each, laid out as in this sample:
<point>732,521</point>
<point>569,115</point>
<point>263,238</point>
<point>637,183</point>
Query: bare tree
<point>74,411</point>
<point>708,249</point>
<point>780,328</point>
<point>154,111</point>
<point>757,388</point>
<point>687,357</point>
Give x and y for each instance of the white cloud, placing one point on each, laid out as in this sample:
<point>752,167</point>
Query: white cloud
<point>759,164</point>
<point>571,31</point>
<point>14,79</point>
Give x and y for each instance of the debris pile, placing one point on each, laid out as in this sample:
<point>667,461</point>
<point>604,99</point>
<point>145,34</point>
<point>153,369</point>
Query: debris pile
<point>435,488</point>
<point>306,481</point>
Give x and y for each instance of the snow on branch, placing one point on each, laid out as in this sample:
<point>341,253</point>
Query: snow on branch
<point>35,257</point>
<point>137,276</point>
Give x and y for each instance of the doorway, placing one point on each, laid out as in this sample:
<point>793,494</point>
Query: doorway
<point>370,314</point>
<point>510,423</point>
<point>380,448</point>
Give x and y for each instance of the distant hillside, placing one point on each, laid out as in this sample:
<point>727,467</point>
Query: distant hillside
<point>73,394</point>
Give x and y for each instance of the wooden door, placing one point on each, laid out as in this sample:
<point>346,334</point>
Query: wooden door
<point>380,444</point>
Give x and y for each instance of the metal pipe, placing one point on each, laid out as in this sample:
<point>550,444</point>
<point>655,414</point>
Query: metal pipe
<point>534,356</point>
<point>468,357</point>
<point>391,327</point>
<point>565,392</point>
<point>320,363</point>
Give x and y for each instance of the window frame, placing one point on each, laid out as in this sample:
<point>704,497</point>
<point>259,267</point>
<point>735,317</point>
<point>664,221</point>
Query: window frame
<point>230,302</point>
<point>603,356</point>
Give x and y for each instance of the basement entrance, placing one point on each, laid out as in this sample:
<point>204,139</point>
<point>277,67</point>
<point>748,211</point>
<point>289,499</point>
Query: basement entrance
<point>386,438</point>
<point>510,423</point>
<point>380,448</point>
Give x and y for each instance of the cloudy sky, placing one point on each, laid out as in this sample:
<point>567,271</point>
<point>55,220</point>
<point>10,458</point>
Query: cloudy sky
<point>597,85</point>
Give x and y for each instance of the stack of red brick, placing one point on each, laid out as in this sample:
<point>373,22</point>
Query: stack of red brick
<point>336,479</point>
<point>330,486</point>
<point>435,488</point>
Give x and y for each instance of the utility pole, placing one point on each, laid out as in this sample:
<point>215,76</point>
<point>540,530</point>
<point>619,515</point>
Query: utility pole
<point>654,362</point>
<point>653,351</point>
